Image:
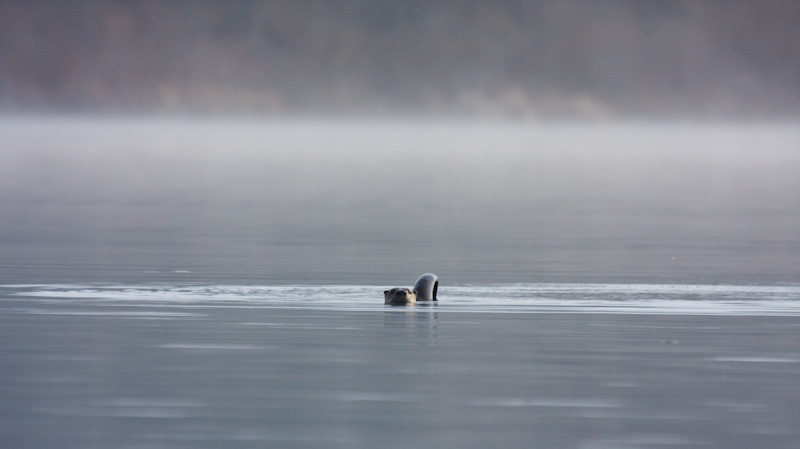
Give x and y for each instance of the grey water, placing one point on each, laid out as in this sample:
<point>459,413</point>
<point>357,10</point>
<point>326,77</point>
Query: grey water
<point>516,365</point>
<point>212,283</point>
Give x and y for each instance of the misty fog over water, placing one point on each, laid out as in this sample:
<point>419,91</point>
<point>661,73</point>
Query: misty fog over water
<point>263,201</point>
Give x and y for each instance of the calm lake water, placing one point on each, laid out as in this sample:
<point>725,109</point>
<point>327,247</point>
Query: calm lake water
<point>209,283</point>
<point>524,365</point>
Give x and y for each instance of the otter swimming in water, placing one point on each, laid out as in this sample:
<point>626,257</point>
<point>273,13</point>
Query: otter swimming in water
<point>424,290</point>
<point>399,296</point>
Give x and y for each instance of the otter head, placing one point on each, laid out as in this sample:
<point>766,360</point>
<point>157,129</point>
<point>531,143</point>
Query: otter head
<point>400,296</point>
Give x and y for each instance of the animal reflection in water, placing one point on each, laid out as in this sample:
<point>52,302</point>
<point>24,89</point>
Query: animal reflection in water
<point>424,290</point>
<point>419,324</point>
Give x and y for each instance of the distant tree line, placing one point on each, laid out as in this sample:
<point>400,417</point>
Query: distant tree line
<point>560,58</point>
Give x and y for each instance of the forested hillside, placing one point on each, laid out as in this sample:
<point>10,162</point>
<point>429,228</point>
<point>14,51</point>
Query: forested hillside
<point>542,59</point>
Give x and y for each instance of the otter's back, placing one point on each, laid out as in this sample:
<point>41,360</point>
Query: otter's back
<point>426,286</point>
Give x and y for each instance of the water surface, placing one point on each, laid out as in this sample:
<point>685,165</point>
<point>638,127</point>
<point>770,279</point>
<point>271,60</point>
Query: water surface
<point>526,365</point>
<point>218,283</point>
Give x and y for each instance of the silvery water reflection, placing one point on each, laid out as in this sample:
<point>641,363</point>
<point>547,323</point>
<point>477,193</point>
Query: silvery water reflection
<point>417,322</point>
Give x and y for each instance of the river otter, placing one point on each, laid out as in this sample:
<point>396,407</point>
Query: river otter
<point>399,296</point>
<point>424,290</point>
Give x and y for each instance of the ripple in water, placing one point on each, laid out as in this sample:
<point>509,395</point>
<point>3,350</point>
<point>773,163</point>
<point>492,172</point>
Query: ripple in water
<point>483,298</point>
